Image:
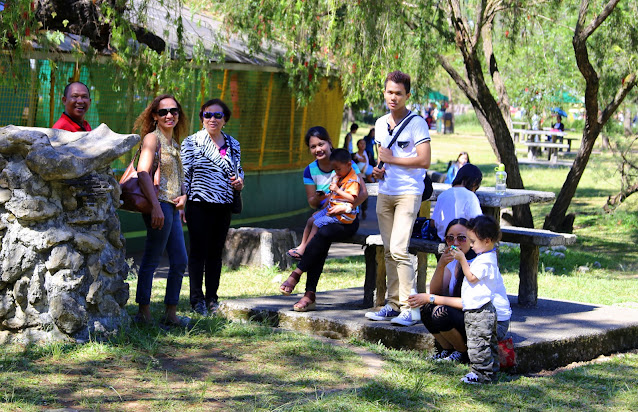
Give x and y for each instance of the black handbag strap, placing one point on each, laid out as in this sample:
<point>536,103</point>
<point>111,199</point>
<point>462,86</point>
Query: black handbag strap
<point>233,154</point>
<point>396,136</point>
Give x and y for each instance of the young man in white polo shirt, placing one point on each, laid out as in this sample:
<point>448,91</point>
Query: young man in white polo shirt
<point>400,189</point>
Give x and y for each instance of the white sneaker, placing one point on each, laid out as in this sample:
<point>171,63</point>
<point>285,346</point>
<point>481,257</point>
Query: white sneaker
<point>471,378</point>
<point>404,319</point>
<point>385,313</point>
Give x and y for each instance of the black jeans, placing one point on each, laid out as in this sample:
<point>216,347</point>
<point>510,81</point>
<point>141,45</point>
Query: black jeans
<point>208,225</point>
<point>316,252</point>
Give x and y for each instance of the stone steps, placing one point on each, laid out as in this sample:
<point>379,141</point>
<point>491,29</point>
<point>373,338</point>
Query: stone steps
<point>554,334</point>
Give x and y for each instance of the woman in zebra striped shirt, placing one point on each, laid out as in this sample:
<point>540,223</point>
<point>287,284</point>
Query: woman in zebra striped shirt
<point>210,159</point>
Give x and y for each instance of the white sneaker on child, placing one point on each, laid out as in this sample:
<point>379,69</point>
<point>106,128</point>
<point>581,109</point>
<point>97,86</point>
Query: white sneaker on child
<point>471,378</point>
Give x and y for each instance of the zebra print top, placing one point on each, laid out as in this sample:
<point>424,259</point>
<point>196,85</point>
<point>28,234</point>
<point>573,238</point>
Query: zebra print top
<point>206,172</point>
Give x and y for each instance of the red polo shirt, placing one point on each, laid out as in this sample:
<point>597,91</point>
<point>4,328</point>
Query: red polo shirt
<point>66,123</point>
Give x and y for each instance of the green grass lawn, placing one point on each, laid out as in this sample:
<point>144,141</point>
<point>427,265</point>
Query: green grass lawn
<point>222,365</point>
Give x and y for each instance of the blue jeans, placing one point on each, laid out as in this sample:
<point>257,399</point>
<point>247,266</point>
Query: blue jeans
<point>170,238</point>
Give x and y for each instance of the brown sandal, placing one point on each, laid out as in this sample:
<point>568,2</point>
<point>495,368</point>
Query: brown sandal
<point>307,303</point>
<point>288,286</point>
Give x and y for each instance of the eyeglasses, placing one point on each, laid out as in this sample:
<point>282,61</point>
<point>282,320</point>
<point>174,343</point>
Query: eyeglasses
<point>163,112</point>
<point>216,115</point>
<point>449,239</point>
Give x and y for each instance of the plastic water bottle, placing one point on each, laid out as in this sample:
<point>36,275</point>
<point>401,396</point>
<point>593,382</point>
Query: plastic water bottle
<point>416,312</point>
<point>501,179</point>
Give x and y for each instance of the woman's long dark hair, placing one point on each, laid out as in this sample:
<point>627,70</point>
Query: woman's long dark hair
<point>469,256</point>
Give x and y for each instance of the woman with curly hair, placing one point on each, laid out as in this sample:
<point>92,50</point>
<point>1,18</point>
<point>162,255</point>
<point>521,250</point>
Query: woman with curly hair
<point>161,124</point>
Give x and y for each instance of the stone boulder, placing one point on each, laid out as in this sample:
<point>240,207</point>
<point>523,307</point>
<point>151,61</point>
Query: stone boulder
<point>61,249</point>
<point>253,246</point>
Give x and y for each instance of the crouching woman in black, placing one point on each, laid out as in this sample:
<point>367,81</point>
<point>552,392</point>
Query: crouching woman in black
<point>441,309</point>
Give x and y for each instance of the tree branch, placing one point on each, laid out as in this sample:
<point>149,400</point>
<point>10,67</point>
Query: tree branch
<point>628,84</point>
<point>460,81</point>
<point>598,20</point>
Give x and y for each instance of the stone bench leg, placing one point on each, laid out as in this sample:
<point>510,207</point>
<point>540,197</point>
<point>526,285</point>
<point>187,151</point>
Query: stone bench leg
<point>370,282</point>
<point>528,276</point>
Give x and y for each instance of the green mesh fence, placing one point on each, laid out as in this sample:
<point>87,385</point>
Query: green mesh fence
<point>266,119</point>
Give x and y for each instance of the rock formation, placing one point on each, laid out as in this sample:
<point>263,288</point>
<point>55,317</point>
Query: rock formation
<point>62,273</point>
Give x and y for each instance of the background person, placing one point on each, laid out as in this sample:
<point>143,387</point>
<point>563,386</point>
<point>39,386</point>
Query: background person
<point>460,200</point>
<point>76,100</point>
<point>161,124</point>
<point>371,147</point>
<point>442,308</point>
<point>400,190</point>
<point>363,162</point>
<point>453,168</point>
<point>347,144</point>
<point>317,182</point>
<point>210,158</point>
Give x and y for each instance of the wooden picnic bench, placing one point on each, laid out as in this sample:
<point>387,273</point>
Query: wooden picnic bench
<point>530,241</point>
<point>534,149</point>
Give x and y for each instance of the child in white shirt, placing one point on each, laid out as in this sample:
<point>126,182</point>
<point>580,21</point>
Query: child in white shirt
<point>485,303</point>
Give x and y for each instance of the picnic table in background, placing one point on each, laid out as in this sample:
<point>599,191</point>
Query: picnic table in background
<point>537,140</point>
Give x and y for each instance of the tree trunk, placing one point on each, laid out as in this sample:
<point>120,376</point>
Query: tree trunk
<point>627,122</point>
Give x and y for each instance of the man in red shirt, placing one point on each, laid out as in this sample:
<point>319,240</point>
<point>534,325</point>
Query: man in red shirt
<point>76,100</point>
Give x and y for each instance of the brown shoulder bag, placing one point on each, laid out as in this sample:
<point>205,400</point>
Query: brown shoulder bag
<point>132,197</point>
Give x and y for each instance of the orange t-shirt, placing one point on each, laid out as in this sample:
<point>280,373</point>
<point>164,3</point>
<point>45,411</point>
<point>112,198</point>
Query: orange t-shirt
<point>349,184</point>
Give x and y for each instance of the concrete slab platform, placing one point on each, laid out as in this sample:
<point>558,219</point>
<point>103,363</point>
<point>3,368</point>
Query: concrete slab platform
<point>552,335</point>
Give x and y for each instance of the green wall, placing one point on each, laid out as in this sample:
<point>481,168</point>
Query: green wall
<point>274,199</point>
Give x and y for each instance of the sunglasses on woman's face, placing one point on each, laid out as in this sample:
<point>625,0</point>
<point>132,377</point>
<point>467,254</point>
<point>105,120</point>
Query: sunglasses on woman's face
<point>449,239</point>
<point>216,115</point>
<point>163,112</point>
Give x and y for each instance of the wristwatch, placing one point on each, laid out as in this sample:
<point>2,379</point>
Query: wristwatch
<point>349,209</point>
<point>432,298</point>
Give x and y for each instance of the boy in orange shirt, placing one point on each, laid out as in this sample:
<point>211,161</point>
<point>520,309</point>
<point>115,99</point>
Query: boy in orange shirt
<point>343,190</point>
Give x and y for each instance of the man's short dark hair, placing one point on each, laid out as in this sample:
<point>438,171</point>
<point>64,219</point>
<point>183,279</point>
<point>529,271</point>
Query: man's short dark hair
<point>399,78</point>
<point>354,127</point>
<point>66,88</point>
<point>341,156</point>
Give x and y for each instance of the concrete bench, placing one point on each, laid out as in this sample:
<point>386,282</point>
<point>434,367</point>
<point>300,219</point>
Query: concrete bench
<point>531,240</point>
<point>533,149</point>
<point>375,264</point>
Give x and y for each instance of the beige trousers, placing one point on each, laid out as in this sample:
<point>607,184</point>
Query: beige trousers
<point>396,216</point>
